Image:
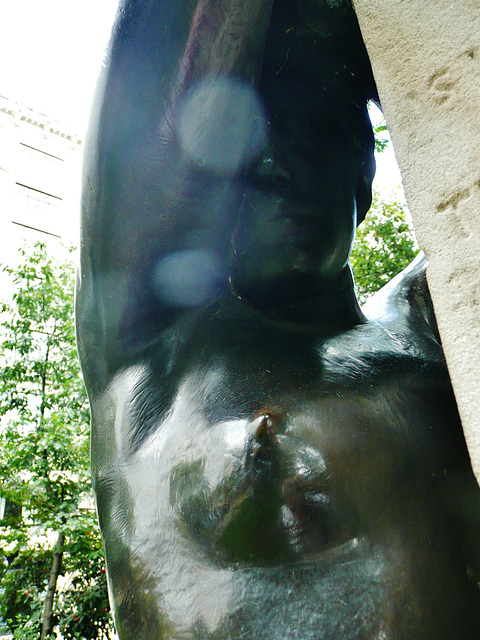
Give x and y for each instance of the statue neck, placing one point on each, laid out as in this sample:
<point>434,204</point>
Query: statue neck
<point>326,308</point>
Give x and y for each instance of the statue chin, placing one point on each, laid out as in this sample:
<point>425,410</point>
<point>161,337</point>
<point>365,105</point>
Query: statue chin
<point>283,251</point>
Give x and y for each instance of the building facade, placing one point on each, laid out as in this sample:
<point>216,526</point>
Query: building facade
<point>40,179</point>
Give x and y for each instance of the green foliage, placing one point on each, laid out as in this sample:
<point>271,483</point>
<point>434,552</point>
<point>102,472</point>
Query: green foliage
<point>380,133</point>
<point>44,459</point>
<point>380,130</point>
<point>385,244</point>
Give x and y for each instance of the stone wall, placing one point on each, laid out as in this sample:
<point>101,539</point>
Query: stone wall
<point>426,61</point>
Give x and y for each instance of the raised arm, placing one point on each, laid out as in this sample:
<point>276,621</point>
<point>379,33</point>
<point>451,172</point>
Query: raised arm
<point>160,193</point>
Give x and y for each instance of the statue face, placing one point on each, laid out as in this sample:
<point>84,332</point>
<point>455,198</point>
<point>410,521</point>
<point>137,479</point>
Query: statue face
<point>298,153</point>
<point>298,212</point>
<point>305,194</point>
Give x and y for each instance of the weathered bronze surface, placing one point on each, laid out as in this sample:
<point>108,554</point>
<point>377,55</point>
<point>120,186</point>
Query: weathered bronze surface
<point>269,462</point>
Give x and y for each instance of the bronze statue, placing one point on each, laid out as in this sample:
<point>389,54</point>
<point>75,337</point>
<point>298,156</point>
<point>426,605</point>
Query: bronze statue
<point>269,462</point>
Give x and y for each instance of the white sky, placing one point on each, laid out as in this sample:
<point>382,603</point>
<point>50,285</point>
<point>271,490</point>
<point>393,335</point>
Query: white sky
<point>52,51</point>
<point>387,176</point>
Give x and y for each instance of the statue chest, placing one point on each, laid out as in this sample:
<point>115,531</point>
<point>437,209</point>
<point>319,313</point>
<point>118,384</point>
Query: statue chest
<point>367,389</point>
<point>324,429</point>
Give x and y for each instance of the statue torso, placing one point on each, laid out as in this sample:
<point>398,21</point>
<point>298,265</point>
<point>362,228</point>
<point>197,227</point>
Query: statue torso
<point>286,480</point>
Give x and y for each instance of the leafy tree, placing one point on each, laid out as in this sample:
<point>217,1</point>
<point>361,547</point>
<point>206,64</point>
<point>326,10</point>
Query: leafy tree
<point>380,133</point>
<point>51,559</point>
<point>385,244</point>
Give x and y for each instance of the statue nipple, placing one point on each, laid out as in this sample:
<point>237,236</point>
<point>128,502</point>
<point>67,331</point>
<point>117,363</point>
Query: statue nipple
<point>266,425</point>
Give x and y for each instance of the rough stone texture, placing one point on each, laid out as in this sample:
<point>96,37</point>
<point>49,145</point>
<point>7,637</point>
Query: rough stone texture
<point>426,61</point>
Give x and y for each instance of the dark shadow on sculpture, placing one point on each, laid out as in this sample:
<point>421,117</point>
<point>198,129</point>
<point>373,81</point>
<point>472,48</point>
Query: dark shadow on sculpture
<point>269,462</point>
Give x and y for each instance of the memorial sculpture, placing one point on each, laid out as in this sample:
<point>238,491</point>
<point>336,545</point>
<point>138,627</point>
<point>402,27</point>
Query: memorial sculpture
<point>270,462</point>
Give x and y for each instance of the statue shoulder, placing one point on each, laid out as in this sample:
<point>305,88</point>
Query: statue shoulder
<point>406,301</point>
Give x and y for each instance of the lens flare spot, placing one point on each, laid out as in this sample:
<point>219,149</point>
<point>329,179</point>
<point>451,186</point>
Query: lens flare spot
<point>188,278</point>
<point>221,125</point>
